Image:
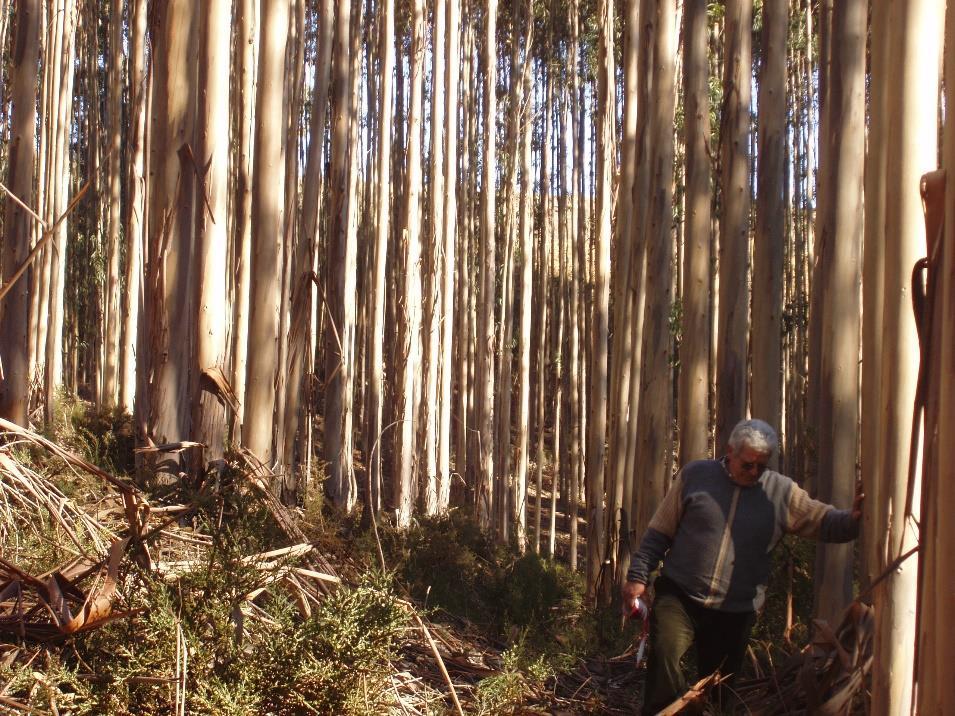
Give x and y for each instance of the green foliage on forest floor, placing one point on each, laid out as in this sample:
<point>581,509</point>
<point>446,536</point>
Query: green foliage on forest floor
<point>531,607</point>
<point>219,634</point>
<point>334,662</point>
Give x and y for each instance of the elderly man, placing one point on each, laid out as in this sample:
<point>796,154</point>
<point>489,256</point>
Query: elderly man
<point>714,531</point>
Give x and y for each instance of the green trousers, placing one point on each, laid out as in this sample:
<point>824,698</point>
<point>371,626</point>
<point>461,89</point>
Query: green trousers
<point>677,622</point>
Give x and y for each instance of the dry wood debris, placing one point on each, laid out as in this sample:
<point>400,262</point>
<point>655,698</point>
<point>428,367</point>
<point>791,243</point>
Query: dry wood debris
<point>829,676</point>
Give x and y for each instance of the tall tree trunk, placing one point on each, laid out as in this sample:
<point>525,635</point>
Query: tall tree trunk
<point>436,266</point>
<point>348,277</point>
<point>377,296</point>
<point>484,374</point>
<point>654,412</point>
<point>596,438</point>
<point>268,231</point>
<point>208,420</point>
<point>638,274</point>
<point>167,333</point>
<point>734,223</point>
<point>292,338</point>
<point>338,464</point>
<point>114,177</point>
<point>136,191</point>
<point>411,231</point>
<point>769,242</point>
<point>449,234</point>
<point>873,276</point>
<point>14,311</point>
<point>622,349</point>
<point>60,178</point>
<point>913,97</point>
<point>693,408</point>
<point>841,228</point>
<point>464,342</point>
<point>247,40</point>
<point>51,42</point>
<point>519,75</point>
<point>526,339</point>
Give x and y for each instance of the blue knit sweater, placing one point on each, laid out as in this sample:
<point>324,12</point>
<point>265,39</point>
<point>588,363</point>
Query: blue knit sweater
<point>715,536</point>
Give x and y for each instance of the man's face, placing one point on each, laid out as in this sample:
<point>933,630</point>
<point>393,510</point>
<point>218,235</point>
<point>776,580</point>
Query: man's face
<point>745,465</point>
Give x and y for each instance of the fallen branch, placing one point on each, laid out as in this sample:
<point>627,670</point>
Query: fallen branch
<point>437,657</point>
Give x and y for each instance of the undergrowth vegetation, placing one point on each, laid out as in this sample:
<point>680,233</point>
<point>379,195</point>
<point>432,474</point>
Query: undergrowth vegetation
<point>214,636</point>
<point>531,607</point>
<point>220,638</point>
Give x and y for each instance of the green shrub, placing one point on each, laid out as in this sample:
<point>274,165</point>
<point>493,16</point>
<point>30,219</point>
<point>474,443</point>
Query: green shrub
<point>447,562</point>
<point>336,661</point>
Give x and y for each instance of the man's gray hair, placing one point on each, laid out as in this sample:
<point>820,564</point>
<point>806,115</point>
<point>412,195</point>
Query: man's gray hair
<point>755,434</point>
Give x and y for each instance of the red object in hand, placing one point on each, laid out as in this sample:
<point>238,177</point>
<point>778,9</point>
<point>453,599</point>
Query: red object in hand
<point>639,609</point>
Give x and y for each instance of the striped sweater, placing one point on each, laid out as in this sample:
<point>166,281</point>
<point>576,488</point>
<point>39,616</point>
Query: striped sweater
<point>715,537</point>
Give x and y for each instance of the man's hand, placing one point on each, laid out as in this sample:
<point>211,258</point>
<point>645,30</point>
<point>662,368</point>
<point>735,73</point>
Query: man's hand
<point>630,592</point>
<point>857,501</point>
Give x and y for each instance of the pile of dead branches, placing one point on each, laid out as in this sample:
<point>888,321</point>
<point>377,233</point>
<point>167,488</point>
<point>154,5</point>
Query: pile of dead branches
<point>119,527</point>
<point>828,676</point>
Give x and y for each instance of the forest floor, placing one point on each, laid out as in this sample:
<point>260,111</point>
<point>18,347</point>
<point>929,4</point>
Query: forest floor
<point>208,596</point>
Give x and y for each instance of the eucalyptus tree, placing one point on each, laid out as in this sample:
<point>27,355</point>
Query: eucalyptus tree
<point>637,281</point>
<point>337,349</point>
<point>244,101</point>
<point>410,335</point>
<point>434,257</point>
<point>464,298</point>
<point>693,408</point>
<point>913,67</point>
<point>526,231</point>
<point>597,425</point>
<point>212,143</point>
<point>621,360</point>
<point>167,329</point>
<point>839,227</point>
<point>268,229</point>
<point>60,66</point>
<point>734,220</point>
<point>377,296</point>
<point>21,159</point>
<point>449,233</point>
<point>114,94</point>
<point>568,299</point>
<point>873,277</point>
<point>769,239</point>
<point>655,404</point>
<point>484,355</point>
<point>137,82</point>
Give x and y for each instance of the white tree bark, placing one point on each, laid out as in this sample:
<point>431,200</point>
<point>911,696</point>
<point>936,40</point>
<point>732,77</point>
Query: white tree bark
<point>136,190</point>
<point>914,66</point>
<point>208,422</point>
<point>268,231</point>
<point>411,231</point>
